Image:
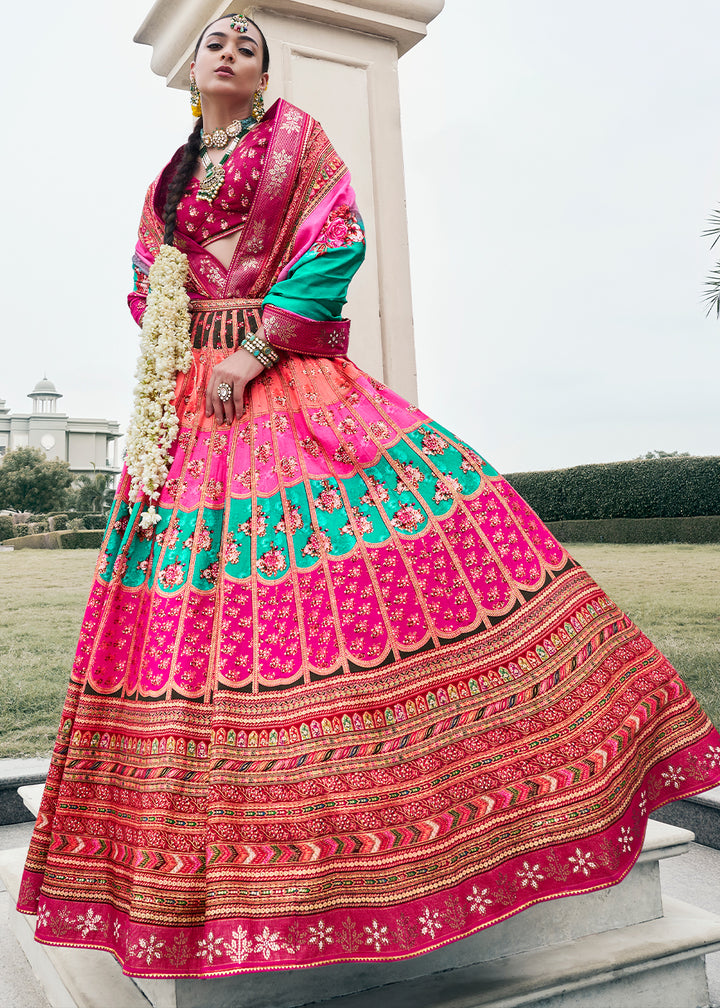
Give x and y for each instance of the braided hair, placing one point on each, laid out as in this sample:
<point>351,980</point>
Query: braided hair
<point>191,151</point>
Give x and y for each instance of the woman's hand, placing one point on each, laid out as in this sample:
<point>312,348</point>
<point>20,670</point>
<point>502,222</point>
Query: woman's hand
<point>236,371</point>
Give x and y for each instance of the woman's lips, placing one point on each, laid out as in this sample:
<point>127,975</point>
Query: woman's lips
<point>225,72</point>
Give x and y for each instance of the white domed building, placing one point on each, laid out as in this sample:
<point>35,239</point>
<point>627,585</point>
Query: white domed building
<point>88,444</point>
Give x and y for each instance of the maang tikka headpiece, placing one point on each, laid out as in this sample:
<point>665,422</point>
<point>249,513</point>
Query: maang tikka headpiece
<point>240,23</point>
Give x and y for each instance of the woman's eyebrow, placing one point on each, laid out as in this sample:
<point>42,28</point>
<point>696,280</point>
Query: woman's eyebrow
<point>222,35</point>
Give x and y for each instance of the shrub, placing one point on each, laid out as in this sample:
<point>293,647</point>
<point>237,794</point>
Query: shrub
<point>94,521</point>
<point>702,529</point>
<point>21,529</point>
<point>7,529</point>
<point>75,524</point>
<point>645,488</point>
<point>58,522</point>
<point>82,539</point>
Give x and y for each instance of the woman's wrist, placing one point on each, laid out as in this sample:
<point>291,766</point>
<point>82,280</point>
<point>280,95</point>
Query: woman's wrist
<point>261,350</point>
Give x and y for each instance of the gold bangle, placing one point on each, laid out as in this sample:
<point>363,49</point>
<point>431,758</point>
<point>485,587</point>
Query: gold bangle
<point>260,349</point>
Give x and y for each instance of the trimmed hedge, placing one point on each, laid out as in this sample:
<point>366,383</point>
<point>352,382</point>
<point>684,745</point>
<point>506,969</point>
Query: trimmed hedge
<point>94,521</point>
<point>702,529</point>
<point>7,528</point>
<point>647,488</point>
<point>82,539</point>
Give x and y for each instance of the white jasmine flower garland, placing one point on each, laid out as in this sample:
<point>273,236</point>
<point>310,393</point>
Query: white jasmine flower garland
<point>164,350</point>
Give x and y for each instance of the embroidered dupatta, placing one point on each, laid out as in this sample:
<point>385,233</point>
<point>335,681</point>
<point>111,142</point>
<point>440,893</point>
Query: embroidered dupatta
<point>298,248</point>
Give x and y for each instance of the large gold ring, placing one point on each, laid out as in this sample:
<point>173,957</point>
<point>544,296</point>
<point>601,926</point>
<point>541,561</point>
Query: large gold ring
<point>224,391</point>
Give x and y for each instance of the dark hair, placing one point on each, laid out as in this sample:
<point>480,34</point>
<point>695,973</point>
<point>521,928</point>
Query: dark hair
<point>191,150</point>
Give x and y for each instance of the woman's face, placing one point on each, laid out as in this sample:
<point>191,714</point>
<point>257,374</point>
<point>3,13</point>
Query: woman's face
<point>228,64</point>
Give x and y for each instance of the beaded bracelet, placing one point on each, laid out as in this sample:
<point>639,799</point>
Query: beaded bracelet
<point>260,349</point>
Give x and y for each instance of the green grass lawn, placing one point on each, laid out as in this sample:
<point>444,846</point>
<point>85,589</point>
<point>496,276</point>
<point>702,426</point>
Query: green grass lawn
<point>672,592</point>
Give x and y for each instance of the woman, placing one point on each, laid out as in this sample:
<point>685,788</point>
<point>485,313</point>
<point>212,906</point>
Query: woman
<point>339,695</point>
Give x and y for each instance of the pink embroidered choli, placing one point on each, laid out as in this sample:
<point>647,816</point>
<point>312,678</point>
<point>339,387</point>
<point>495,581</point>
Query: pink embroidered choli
<point>287,196</point>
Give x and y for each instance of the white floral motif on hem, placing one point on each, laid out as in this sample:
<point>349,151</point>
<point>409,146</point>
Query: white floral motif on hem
<point>240,947</point>
<point>478,900</point>
<point>320,935</point>
<point>148,949</point>
<point>210,948</point>
<point>268,942</point>
<point>530,876</point>
<point>88,923</point>
<point>376,935</point>
<point>430,922</point>
<point>625,840</point>
<point>672,777</point>
<point>582,862</point>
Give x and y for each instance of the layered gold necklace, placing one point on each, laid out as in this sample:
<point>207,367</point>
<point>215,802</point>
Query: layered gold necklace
<point>229,137</point>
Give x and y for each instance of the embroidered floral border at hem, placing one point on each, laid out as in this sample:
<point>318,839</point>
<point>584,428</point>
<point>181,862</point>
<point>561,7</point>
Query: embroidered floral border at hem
<point>381,934</point>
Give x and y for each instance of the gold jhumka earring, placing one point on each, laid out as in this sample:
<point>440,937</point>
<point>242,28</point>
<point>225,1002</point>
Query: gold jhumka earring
<point>258,106</point>
<point>195,99</point>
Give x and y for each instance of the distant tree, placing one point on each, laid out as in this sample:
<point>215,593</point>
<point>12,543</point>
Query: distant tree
<point>31,482</point>
<point>91,493</point>
<point>662,454</point>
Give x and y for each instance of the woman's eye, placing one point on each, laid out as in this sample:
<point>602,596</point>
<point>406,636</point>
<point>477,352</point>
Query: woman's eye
<point>214,45</point>
<point>246,52</point>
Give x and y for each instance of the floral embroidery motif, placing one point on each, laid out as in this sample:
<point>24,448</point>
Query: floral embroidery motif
<point>672,777</point>
<point>172,575</point>
<point>408,518</point>
<point>88,922</point>
<point>625,839</point>
<point>530,876</point>
<point>479,900</point>
<point>268,942</point>
<point>293,522</point>
<point>320,934</point>
<point>430,922</point>
<point>240,946</point>
<point>377,935</point>
<point>210,948</point>
<point>362,522</point>
<point>340,229</point>
<point>147,949</point>
<point>277,173</point>
<point>328,499</point>
<point>210,574</point>
<point>433,444</point>
<point>272,562</point>
<point>317,543</point>
<point>582,862</point>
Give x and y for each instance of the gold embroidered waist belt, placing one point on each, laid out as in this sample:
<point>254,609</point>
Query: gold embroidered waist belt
<point>223,304</point>
<point>223,322</point>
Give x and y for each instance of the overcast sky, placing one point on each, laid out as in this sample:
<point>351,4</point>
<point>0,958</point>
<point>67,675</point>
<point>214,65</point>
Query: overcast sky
<point>561,160</point>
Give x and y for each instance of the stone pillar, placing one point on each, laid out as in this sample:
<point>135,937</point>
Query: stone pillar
<point>339,62</point>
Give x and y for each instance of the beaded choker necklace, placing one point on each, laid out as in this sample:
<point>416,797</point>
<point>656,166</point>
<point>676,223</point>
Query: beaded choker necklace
<point>221,137</point>
<point>215,173</point>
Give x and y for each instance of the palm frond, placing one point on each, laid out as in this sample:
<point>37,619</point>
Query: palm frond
<point>713,229</point>
<point>711,297</point>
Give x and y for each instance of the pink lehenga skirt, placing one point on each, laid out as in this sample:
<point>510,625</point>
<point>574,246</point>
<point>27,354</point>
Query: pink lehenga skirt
<point>349,700</point>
